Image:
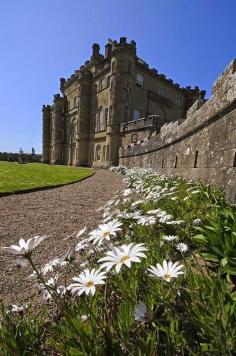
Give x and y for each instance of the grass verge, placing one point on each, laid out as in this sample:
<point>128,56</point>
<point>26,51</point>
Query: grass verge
<point>15,177</point>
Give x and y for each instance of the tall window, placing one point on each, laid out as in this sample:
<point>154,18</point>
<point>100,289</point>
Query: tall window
<point>104,153</point>
<point>129,67</point>
<point>178,101</point>
<point>113,67</point>
<point>68,105</point>
<point>195,160</point>
<point>98,153</point>
<point>100,120</point>
<point>162,92</point>
<point>126,114</point>
<point>75,102</point>
<point>139,80</point>
<point>110,114</point>
<point>234,164</point>
<point>136,115</point>
<point>101,84</point>
<point>106,117</point>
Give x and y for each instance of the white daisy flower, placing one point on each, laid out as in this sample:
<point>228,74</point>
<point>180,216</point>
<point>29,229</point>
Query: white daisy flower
<point>87,282</point>
<point>197,221</point>
<point>81,232</point>
<point>25,247</point>
<point>125,254</point>
<point>175,222</point>
<point>142,313</point>
<point>169,237</point>
<point>182,247</point>
<point>146,220</point>
<point>16,309</point>
<point>81,245</point>
<point>127,192</point>
<point>167,271</point>
<point>105,231</point>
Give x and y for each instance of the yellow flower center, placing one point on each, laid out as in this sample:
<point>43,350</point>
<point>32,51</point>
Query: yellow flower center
<point>124,258</point>
<point>89,284</point>
<point>167,277</point>
<point>106,234</point>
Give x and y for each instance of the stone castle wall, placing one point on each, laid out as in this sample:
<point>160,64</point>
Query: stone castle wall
<point>203,146</point>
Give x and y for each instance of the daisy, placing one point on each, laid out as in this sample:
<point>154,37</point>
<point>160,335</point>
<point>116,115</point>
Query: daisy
<point>87,281</point>
<point>169,237</point>
<point>16,309</point>
<point>146,220</point>
<point>81,245</point>
<point>167,271</point>
<point>124,254</point>
<point>25,248</point>
<point>142,313</point>
<point>197,221</point>
<point>105,231</point>
<point>81,232</point>
<point>182,247</point>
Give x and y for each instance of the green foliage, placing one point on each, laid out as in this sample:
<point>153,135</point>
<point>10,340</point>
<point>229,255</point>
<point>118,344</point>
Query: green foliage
<point>16,177</point>
<point>193,314</point>
<point>217,239</point>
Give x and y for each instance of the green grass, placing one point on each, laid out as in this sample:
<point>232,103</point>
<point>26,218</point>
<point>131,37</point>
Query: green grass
<point>16,177</point>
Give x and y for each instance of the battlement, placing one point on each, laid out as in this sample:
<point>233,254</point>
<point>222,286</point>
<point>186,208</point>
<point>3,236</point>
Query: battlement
<point>204,142</point>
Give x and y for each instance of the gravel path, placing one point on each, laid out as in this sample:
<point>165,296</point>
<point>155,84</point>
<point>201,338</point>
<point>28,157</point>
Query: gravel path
<point>57,213</point>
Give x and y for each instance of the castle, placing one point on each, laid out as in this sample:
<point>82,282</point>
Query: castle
<point>82,127</point>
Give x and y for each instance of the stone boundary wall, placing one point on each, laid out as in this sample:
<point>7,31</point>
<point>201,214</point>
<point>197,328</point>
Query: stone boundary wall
<point>203,146</point>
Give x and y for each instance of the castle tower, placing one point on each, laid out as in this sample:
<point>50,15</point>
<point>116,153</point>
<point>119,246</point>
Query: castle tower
<point>57,153</point>
<point>83,127</point>
<point>123,57</point>
<point>46,133</point>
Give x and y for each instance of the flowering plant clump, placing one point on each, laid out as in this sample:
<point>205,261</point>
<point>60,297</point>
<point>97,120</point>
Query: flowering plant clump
<point>156,277</point>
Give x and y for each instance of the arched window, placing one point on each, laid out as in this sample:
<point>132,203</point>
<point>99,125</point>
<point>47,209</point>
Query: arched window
<point>136,115</point>
<point>98,153</point>
<point>104,153</point>
<point>100,120</point>
<point>106,118</point>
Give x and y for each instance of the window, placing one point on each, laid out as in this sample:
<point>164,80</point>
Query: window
<point>100,120</point>
<point>178,101</point>
<point>176,161</point>
<point>113,67</point>
<point>101,84</point>
<point>75,102</point>
<point>129,67</point>
<point>195,160</point>
<point>68,105</point>
<point>98,153</point>
<point>104,153</point>
<point>234,164</point>
<point>128,87</point>
<point>162,92</point>
<point>162,163</point>
<point>134,138</point>
<point>139,80</point>
<point>108,153</point>
<point>106,117</point>
<point>110,114</point>
<point>136,115</point>
<point>108,81</point>
<point>126,114</point>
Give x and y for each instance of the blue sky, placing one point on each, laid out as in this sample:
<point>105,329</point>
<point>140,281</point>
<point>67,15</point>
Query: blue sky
<point>191,41</point>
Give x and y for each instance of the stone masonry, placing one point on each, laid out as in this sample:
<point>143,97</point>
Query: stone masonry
<point>82,126</point>
<point>200,146</point>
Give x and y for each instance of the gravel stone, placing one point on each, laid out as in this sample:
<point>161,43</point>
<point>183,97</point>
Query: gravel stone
<point>58,213</point>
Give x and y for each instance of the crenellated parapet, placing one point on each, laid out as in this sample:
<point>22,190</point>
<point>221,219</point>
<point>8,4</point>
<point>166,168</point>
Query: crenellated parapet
<point>202,146</point>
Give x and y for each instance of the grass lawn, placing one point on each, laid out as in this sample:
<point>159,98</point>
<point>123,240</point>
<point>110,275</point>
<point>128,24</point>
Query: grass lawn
<point>15,176</point>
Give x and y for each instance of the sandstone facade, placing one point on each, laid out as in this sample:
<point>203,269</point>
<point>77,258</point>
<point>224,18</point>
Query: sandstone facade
<point>200,146</point>
<point>82,126</point>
